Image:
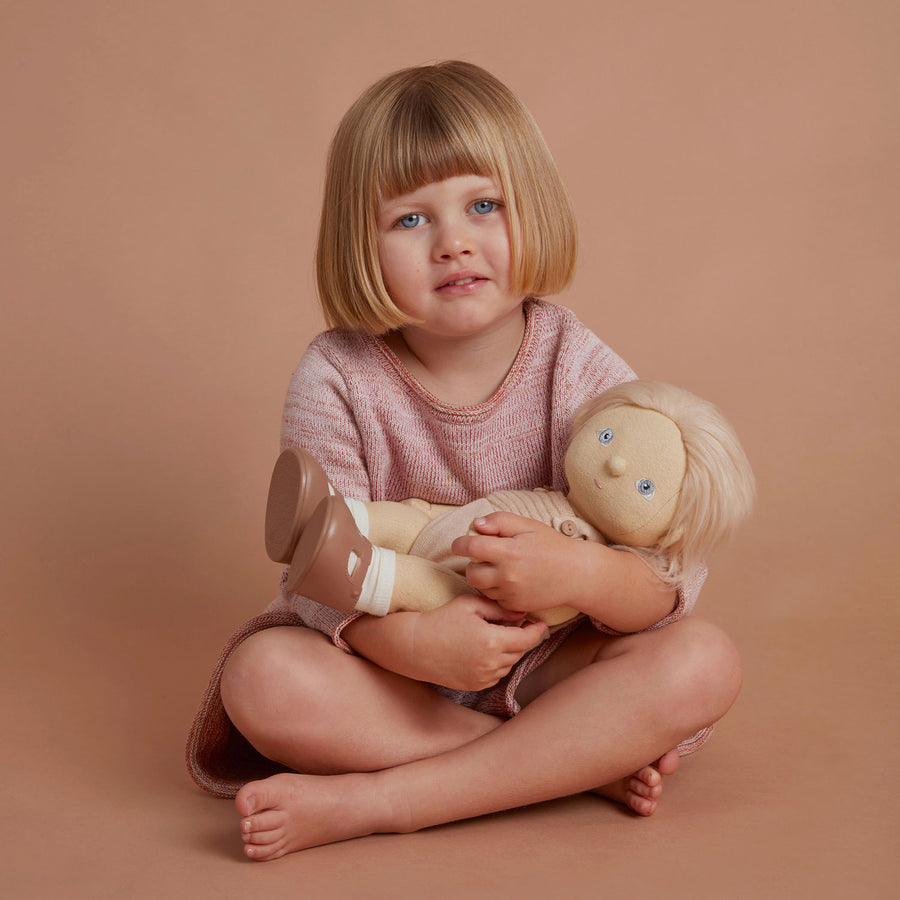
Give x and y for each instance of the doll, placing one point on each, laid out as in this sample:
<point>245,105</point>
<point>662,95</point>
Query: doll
<point>651,468</point>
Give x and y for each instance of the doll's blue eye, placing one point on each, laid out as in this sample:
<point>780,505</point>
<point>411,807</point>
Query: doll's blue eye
<point>605,436</point>
<point>411,221</point>
<point>646,488</point>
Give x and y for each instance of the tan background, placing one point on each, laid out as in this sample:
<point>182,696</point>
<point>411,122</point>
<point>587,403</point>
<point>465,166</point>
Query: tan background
<point>735,172</point>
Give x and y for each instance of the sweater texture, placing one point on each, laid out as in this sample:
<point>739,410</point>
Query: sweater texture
<point>380,435</point>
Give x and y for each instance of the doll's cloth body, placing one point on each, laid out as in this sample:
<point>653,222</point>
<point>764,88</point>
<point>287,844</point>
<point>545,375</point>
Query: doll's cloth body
<point>545,505</point>
<point>380,435</point>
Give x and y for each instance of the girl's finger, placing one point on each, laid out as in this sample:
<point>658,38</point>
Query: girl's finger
<point>526,637</point>
<point>481,575</point>
<point>489,610</point>
<point>503,524</point>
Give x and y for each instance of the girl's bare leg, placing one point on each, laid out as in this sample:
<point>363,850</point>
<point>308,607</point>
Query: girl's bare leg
<point>640,791</point>
<point>637,697</point>
<point>303,702</point>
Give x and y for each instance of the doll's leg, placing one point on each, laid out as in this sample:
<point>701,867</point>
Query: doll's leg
<point>421,585</point>
<point>299,484</point>
<point>634,698</point>
<point>397,525</point>
<point>336,565</point>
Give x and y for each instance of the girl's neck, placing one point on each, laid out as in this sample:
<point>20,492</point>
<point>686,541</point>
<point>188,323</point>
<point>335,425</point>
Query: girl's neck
<point>459,371</point>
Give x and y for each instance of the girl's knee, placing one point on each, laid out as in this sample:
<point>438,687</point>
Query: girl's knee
<point>703,670</point>
<point>246,668</point>
<point>264,677</point>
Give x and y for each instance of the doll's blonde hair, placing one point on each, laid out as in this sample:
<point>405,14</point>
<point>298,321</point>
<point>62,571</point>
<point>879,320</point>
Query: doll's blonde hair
<point>426,124</point>
<point>718,490</point>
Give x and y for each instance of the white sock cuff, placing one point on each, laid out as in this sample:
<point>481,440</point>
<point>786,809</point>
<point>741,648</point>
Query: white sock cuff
<point>360,515</point>
<point>378,586</point>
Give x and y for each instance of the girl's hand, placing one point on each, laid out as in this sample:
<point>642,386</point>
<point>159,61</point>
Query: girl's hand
<point>527,566</point>
<point>470,643</point>
<point>521,563</point>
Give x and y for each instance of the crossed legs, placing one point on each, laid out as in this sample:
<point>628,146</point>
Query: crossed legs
<point>381,753</point>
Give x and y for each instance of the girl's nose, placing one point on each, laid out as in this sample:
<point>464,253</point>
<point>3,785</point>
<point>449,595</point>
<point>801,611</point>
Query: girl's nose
<point>453,240</point>
<point>616,466</point>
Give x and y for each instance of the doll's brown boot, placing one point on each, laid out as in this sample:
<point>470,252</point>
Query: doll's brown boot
<point>332,557</point>
<point>297,487</point>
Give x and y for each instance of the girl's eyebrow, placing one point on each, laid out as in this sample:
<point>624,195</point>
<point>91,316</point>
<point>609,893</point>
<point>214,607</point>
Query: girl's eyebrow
<point>391,209</point>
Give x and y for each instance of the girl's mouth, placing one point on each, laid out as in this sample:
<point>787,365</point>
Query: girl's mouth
<point>461,278</point>
<point>461,285</point>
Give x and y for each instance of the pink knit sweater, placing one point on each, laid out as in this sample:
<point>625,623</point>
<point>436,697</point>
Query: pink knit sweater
<point>381,436</point>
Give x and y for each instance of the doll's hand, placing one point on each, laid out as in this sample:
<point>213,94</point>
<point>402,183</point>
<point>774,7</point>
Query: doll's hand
<point>465,645</point>
<point>521,563</point>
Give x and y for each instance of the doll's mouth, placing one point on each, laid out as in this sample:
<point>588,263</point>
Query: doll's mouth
<point>598,485</point>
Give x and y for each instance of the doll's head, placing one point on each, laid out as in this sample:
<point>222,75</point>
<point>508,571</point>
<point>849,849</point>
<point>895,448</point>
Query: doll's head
<point>655,468</point>
<point>422,125</point>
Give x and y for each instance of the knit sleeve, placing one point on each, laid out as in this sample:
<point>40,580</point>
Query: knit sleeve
<point>686,597</point>
<point>318,417</point>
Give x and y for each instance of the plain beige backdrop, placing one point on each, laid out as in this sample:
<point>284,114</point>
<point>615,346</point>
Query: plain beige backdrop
<point>734,167</point>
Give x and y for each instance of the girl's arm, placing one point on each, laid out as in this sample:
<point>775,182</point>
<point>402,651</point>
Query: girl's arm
<point>458,646</point>
<point>462,645</point>
<point>318,417</point>
<point>527,566</point>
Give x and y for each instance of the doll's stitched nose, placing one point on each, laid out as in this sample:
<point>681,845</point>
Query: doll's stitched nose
<point>616,466</point>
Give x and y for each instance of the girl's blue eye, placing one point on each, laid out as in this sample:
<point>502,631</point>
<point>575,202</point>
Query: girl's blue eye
<point>646,488</point>
<point>605,436</point>
<point>411,221</point>
<point>483,207</point>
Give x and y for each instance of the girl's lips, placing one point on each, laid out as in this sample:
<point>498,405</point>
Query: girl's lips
<point>460,285</point>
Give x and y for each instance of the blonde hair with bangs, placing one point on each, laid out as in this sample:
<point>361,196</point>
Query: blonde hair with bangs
<point>718,491</point>
<point>426,124</point>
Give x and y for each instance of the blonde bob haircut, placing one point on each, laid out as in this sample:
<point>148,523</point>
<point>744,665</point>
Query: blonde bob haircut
<point>421,125</point>
<point>718,491</point>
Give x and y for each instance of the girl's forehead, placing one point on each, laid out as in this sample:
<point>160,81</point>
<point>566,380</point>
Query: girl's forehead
<point>456,189</point>
<point>462,182</point>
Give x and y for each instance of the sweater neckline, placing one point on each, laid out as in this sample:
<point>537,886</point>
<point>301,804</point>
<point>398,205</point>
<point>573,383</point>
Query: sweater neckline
<point>512,378</point>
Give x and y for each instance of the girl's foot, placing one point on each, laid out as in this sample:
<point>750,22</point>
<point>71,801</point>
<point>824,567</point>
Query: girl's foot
<point>297,487</point>
<point>291,812</point>
<point>641,792</point>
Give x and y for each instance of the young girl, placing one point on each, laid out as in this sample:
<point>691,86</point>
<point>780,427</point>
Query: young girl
<point>445,378</point>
